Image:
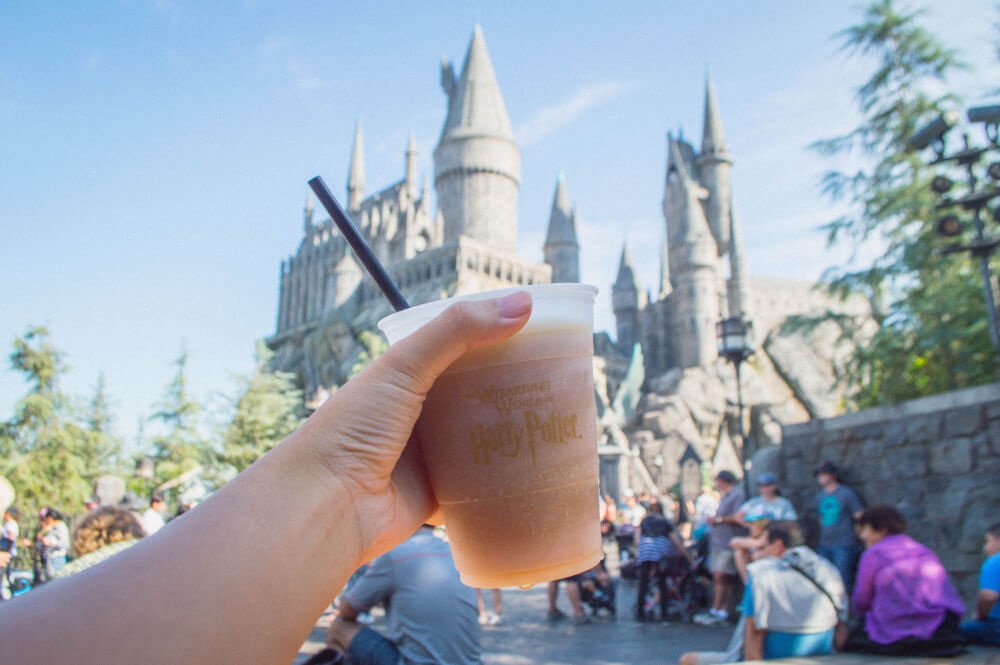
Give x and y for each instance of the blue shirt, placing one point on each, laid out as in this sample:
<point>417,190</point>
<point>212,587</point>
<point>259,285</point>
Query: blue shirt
<point>989,578</point>
<point>789,645</point>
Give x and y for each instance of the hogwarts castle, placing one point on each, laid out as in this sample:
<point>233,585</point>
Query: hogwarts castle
<point>328,307</point>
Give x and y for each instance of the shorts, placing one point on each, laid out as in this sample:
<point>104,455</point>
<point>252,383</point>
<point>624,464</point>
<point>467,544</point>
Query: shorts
<point>368,647</point>
<point>723,561</point>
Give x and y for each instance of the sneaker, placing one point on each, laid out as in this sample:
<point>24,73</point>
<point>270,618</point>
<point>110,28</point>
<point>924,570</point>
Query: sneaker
<point>484,619</point>
<point>495,620</point>
<point>715,620</point>
<point>580,619</point>
<point>703,618</point>
<point>556,615</point>
<point>365,619</point>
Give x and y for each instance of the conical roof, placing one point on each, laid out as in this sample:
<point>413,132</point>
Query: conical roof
<point>562,229</point>
<point>626,271</point>
<point>713,140</point>
<point>356,174</point>
<point>475,104</point>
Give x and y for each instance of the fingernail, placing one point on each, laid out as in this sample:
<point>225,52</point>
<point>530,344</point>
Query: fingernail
<point>515,306</point>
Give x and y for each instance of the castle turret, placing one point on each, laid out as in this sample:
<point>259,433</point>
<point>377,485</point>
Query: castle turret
<point>307,214</point>
<point>562,250</point>
<point>411,166</point>
<point>665,287</point>
<point>694,268</point>
<point>477,166</point>
<point>356,175</point>
<point>714,167</point>
<point>625,301</point>
<point>738,288</point>
<point>347,274</point>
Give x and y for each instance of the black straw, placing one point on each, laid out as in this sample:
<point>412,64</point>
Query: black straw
<point>359,244</point>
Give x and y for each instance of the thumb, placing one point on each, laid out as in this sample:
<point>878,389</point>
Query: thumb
<point>415,362</point>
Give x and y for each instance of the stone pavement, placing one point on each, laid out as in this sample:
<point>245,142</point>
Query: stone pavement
<point>526,637</point>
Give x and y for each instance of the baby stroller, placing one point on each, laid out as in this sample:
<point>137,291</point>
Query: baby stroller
<point>597,595</point>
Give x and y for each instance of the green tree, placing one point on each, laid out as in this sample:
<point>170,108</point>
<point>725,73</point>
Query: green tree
<point>100,451</point>
<point>40,445</point>
<point>929,309</point>
<point>179,446</point>
<point>373,345</point>
<point>267,409</point>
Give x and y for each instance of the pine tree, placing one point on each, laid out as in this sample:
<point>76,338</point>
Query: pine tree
<point>101,450</point>
<point>267,409</point>
<point>931,334</point>
<point>40,445</point>
<point>179,447</point>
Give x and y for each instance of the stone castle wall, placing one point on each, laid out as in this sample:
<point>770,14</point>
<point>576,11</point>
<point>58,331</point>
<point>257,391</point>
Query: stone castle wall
<point>935,458</point>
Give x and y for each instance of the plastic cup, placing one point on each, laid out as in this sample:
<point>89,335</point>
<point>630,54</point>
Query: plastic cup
<point>509,437</point>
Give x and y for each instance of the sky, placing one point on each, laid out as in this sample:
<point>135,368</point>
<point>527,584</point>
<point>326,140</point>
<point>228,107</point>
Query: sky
<point>155,153</point>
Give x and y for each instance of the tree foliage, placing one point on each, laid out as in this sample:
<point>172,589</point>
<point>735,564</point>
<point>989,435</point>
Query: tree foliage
<point>267,409</point>
<point>179,447</point>
<point>40,445</point>
<point>932,334</point>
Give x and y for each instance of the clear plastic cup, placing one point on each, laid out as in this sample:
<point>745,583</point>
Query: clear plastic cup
<point>509,437</point>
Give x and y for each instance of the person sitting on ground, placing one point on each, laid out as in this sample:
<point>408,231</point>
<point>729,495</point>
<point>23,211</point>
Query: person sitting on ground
<point>656,539</point>
<point>432,616</point>
<point>985,627</point>
<point>792,603</point>
<point>101,534</point>
<point>341,490</point>
<point>757,514</point>
<point>903,592</point>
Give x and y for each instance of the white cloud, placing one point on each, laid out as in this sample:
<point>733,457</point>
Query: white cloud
<point>278,51</point>
<point>553,118</point>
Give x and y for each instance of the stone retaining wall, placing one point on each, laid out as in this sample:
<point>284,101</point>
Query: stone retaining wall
<point>937,459</point>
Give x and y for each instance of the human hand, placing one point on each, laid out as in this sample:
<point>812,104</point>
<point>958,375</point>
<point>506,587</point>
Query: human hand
<point>363,434</point>
<point>4,559</point>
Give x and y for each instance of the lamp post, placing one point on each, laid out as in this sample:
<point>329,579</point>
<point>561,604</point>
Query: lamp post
<point>974,200</point>
<point>735,336</point>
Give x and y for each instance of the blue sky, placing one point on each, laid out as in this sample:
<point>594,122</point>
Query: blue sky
<point>155,152</point>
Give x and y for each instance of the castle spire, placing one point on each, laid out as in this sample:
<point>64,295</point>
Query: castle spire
<point>625,302</point>
<point>713,140</point>
<point>307,213</point>
<point>356,176</point>
<point>665,286</point>
<point>411,166</point>
<point>477,153</point>
<point>626,271</point>
<point>561,249</point>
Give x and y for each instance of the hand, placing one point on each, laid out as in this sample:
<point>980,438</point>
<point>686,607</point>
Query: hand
<point>363,435</point>
<point>4,559</point>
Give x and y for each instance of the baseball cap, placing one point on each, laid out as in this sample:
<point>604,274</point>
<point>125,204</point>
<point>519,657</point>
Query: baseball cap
<point>767,478</point>
<point>726,477</point>
<point>827,467</point>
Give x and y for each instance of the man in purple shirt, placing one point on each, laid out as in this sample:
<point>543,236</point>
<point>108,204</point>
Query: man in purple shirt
<point>902,590</point>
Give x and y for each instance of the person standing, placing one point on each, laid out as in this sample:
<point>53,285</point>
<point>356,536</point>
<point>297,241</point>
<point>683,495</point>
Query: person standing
<point>152,518</point>
<point>722,562</point>
<point>432,616</point>
<point>838,507</point>
<point>656,539</point>
<point>53,543</point>
<point>494,618</point>
<point>985,627</point>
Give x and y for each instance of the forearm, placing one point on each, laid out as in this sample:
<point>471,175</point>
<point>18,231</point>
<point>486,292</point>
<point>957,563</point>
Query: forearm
<point>753,644</point>
<point>985,602</point>
<point>215,563</point>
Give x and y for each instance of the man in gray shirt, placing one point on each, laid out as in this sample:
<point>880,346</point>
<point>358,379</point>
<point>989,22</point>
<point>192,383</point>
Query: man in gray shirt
<point>838,506</point>
<point>432,616</point>
<point>725,526</point>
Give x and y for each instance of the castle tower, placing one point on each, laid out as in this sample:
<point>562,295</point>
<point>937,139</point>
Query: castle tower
<point>665,287</point>
<point>307,214</point>
<point>694,264</point>
<point>738,288</point>
<point>562,251</point>
<point>477,166</point>
<point>411,167</point>
<point>714,167</point>
<point>356,174</point>
<point>625,301</point>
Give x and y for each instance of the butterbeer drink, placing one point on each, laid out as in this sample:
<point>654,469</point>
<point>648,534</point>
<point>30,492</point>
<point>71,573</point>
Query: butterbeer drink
<point>509,438</point>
